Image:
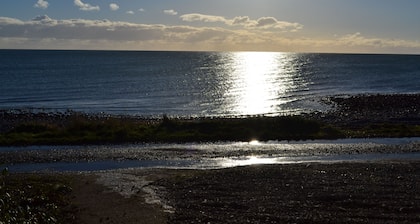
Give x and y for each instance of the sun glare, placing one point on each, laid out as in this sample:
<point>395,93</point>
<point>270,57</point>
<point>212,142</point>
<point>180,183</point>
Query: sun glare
<point>254,142</point>
<point>256,87</point>
<point>247,161</point>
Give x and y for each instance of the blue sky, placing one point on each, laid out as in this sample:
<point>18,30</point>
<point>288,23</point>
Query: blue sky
<point>357,26</point>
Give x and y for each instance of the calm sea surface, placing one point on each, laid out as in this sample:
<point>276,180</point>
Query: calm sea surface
<point>195,83</point>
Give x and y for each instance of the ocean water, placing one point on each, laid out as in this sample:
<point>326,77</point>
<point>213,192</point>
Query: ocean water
<point>195,83</point>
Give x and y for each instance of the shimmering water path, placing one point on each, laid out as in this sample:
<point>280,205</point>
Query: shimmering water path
<point>195,83</point>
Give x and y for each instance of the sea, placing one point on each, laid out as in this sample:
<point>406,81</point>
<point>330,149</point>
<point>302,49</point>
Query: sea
<point>188,84</point>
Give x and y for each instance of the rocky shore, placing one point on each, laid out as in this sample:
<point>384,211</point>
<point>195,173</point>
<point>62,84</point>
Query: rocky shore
<point>360,110</point>
<point>350,111</point>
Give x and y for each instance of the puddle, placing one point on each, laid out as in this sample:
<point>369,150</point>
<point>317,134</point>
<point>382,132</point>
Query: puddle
<point>214,163</point>
<point>204,155</point>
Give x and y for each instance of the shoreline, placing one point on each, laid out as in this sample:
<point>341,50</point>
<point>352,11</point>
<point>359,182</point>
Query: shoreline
<point>359,116</point>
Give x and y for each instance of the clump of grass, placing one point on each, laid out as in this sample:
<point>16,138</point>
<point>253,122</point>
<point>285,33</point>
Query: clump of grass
<point>245,129</point>
<point>384,130</point>
<point>33,199</point>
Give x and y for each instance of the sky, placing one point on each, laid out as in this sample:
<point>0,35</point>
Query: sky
<point>339,26</point>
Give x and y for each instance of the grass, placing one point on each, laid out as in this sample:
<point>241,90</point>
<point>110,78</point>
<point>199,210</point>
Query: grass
<point>31,198</point>
<point>382,130</point>
<point>82,130</point>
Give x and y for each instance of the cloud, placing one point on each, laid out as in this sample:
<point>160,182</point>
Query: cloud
<point>244,21</point>
<point>85,6</point>
<point>43,18</point>
<point>6,22</point>
<point>105,34</point>
<point>203,18</point>
<point>42,4</point>
<point>43,32</point>
<point>358,40</point>
<point>113,7</point>
<point>44,27</point>
<point>130,12</point>
<point>241,20</point>
<point>170,12</point>
<point>141,10</point>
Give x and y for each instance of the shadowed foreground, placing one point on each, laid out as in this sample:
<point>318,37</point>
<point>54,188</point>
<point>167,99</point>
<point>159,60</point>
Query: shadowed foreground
<point>383,192</point>
<point>305,193</point>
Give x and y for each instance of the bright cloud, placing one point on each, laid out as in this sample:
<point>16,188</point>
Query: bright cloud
<point>85,6</point>
<point>170,12</point>
<point>42,4</point>
<point>46,32</point>
<point>114,7</point>
<point>244,21</point>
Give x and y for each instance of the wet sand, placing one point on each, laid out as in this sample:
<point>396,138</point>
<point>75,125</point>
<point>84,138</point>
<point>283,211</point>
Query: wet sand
<point>381,192</point>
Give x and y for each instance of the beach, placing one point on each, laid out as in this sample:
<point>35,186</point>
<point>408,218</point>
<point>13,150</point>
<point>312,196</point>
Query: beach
<point>359,191</point>
<point>381,192</point>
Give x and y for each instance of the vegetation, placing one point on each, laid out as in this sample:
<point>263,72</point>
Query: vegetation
<point>79,129</point>
<point>117,130</point>
<point>381,130</point>
<point>33,198</point>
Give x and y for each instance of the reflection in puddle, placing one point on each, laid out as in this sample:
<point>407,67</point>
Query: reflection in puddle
<point>250,160</point>
<point>208,155</point>
<point>215,163</point>
<point>255,160</point>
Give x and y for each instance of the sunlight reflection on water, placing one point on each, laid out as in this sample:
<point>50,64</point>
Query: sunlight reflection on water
<point>250,160</point>
<point>262,82</point>
<point>193,84</point>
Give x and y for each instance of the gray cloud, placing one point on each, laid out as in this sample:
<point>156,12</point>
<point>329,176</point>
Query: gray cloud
<point>241,20</point>
<point>266,21</point>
